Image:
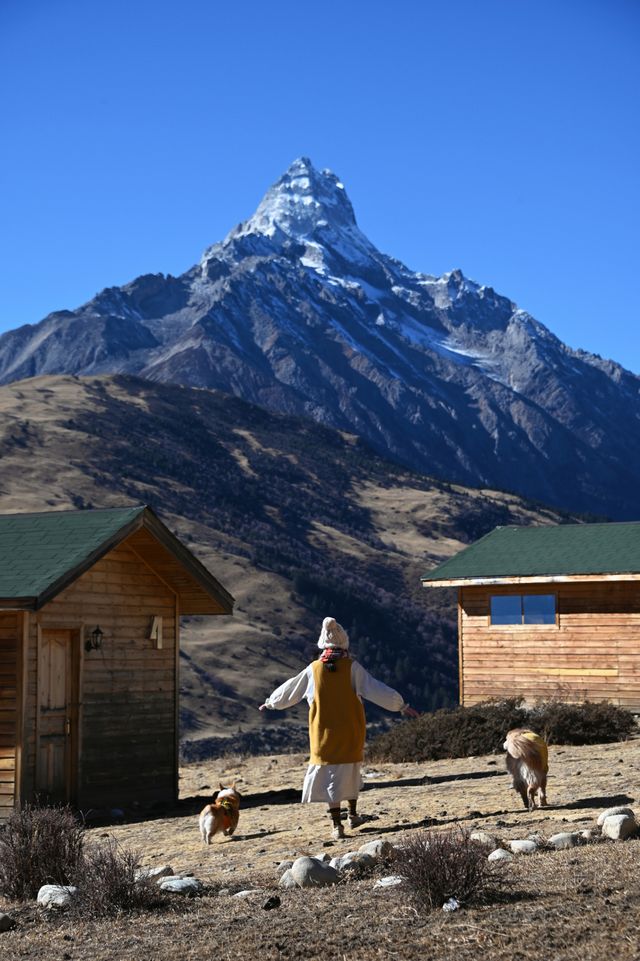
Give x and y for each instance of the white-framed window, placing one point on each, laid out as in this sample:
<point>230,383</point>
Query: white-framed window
<point>523,609</point>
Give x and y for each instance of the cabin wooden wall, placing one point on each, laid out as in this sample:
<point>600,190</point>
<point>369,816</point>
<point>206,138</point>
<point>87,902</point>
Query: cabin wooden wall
<point>125,719</point>
<point>593,651</point>
<point>10,627</point>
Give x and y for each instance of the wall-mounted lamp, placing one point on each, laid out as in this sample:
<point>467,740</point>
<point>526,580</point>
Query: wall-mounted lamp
<point>94,641</point>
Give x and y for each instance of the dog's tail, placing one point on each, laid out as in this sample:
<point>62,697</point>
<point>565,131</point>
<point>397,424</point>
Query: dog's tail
<point>529,747</point>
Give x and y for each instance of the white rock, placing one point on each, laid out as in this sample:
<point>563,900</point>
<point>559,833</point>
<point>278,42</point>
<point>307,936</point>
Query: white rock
<point>282,867</point>
<point>162,871</point>
<point>308,873</point>
<point>378,849</point>
<point>391,881</point>
<point>56,895</point>
<point>248,893</point>
<point>610,812</point>
<point>500,855</point>
<point>523,847</point>
<point>353,861</point>
<point>619,826</point>
<point>451,905</point>
<point>181,885</point>
<point>324,857</point>
<point>564,840</point>
<point>482,837</point>
<point>287,880</point>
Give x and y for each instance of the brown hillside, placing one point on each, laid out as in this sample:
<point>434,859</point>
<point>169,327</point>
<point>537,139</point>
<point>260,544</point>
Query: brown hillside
<point>296,520</point>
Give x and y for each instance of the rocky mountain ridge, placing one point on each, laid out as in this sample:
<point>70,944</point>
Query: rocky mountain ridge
<point>296,311</point>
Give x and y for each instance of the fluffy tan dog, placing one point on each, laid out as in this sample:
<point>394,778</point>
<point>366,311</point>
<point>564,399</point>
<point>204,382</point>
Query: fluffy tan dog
<point>221,815</point>
<point>528,765</point>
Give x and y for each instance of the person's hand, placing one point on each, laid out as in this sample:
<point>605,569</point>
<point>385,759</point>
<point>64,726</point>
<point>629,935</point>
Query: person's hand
<point>409,711</point>
<point>262,707</point>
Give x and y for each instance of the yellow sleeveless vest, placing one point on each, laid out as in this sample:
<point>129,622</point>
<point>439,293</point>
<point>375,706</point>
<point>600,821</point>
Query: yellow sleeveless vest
<point>336,716</point>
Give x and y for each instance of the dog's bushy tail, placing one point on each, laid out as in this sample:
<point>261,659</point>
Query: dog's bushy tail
<point>520,744</point>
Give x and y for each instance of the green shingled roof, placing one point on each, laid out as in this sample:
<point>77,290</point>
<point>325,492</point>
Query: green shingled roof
<point>38,551</point>
<point>546,552</point>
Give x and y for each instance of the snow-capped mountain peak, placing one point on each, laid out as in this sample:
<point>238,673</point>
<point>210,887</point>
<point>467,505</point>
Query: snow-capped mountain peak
<point>301,201</point>
<point>296,310</point>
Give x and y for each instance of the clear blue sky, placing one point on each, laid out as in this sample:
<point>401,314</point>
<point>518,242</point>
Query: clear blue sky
<point>498,136</point>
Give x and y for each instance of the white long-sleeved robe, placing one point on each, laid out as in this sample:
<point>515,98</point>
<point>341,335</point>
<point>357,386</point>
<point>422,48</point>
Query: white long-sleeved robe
<point>333,783</point>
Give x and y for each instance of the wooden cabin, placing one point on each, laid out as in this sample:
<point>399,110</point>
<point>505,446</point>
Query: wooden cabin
<point>90,606</point>
<point>549,612</point>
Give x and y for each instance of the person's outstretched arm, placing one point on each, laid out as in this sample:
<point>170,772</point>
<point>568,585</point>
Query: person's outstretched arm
<point>370,689</point>
<point>289,693</point>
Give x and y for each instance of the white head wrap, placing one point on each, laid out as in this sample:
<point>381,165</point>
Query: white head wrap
<point>332,635</point>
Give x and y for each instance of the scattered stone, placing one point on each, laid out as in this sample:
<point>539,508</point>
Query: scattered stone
<point>378,849</point>
<point>451,905</point>
<point>523,847</point>
<point>186,886</point>
<point>148,874</point>
<point>324,857</point>
<point>355,861</point>
<point>618,827</point>
<point>391,881</point>
<point>6,922</point>
<point>611,811</point>
<point>272,902</point>
<point>564,840</point>
<point>483,837</point>
<point>282,867</point>
<point>309,872</point>
<point>588,834</point>
<point>224,893</point>
<point>500,855</point>
<point>56,895</point>
<point>247,893</point>
<point>287,880</point>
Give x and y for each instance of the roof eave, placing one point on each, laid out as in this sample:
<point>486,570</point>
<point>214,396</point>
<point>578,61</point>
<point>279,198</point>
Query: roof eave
<point>18,603</point>
<point>528,579</point>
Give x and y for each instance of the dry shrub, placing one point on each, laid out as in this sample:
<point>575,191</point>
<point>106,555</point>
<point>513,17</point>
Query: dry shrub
<point>107,884</point>
<point>459,732</point>
<point>39,845</point>
<point>587,723</point>
<point>481,729</point>
<point>438,865</point>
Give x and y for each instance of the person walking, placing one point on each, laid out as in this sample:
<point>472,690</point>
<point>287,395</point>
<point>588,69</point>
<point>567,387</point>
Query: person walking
<point>334,686</point>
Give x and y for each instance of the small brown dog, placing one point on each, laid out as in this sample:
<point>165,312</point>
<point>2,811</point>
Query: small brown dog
<point>221,815</point>
<point>528,765</point>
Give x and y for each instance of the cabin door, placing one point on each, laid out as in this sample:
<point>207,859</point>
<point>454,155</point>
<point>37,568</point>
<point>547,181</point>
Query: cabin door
<point>56,699</point>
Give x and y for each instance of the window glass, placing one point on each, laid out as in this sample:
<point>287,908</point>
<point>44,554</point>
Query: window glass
<point>506,609</point>
<point>539,608</point>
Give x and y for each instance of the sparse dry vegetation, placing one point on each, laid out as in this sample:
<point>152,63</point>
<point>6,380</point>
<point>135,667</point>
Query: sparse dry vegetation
<point>39,845</point>
<point>439,865</point>
<point>575,905</point>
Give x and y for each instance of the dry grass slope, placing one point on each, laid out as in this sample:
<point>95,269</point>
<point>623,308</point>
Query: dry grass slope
<point>296,520</point>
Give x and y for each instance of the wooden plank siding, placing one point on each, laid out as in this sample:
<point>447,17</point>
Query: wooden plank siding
<point>125,715</point>
<point>592,652</point>
<point>10,648</point>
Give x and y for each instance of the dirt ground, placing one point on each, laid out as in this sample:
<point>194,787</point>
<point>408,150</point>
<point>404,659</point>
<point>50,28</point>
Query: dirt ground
<point>575,904</point>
